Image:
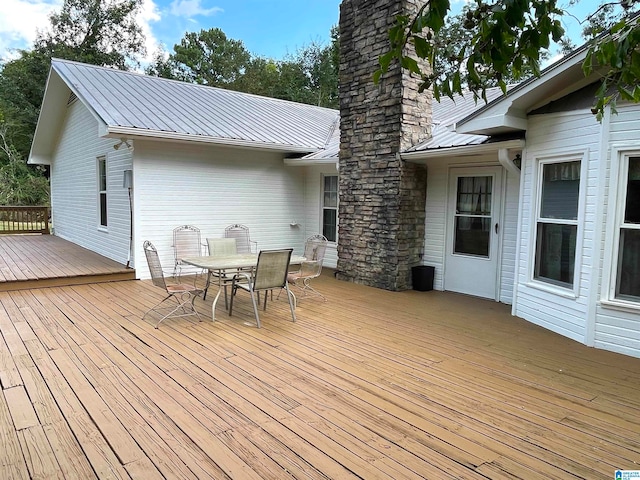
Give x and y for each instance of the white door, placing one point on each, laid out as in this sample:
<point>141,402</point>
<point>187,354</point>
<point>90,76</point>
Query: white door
<point>473,231</point>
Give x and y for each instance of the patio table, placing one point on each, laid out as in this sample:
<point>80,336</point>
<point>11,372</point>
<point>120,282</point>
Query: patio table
<point>219,264</point>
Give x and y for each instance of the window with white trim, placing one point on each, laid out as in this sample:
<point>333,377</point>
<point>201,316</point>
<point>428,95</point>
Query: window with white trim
<point>330,207</point>
<point>557,222</point>
<point>102,191</point>
<point>627,268</point>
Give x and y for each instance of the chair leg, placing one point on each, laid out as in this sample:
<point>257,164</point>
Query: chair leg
<point>255,307</point>
<point>291,306</point>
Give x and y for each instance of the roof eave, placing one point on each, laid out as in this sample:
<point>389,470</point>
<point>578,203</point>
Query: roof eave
<point>423,157</point>
<point>508,113</point>
<point>133,133</point>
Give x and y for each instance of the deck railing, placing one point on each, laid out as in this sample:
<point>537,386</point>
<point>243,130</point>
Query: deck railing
<point>24,220</point>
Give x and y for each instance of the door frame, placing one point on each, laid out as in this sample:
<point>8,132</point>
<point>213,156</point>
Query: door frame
<point>499,202</point>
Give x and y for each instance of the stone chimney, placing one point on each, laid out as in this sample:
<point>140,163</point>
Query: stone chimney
<point>382,198</point>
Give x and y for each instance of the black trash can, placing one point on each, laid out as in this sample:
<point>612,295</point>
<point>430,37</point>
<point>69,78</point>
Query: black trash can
<point>422,277</point>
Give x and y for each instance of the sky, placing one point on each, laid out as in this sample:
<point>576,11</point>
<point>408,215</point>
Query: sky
<point>268,28</point>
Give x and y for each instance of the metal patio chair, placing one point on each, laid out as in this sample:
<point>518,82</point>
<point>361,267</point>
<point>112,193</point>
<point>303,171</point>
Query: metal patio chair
<point>314,250</point>
<point>244,244</point>
<point>187,242</point>
<point>270,273</point>
<point>184,294</point>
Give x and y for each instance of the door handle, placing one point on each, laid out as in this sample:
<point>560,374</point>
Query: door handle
<point>496,228</point>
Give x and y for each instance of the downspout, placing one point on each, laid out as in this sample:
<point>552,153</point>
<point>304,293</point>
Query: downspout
<point>507,163</point>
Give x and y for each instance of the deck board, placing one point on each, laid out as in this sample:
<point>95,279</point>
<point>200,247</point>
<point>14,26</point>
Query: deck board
<point>36,261</point>
<point>370,384</point>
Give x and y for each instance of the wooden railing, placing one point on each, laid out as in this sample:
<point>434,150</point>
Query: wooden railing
<point>24,220</point>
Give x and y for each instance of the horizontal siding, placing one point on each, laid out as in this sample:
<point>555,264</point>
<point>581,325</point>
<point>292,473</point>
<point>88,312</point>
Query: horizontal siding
<point>74,199</point>
<point>312,221</point>
<point>436,223</point>
<point>212,187</point>
<point>550,135</point>
<point>617,330</point>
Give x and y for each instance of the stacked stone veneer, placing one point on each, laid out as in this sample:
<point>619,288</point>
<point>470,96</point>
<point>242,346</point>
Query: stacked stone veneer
<point>382,198</point>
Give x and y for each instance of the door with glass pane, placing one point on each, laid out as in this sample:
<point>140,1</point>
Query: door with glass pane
<point>473,231</point>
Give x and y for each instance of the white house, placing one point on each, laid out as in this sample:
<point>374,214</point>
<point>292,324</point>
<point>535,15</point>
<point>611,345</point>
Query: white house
<point>195,155</point>
<point>530,200</point>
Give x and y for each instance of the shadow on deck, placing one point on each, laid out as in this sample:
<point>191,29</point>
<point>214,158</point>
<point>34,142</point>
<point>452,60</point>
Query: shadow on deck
<point>39,261</point>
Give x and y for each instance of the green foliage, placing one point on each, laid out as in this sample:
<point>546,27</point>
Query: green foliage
<point>616,59</point>
<point>309,76</point>
<point>209,58</point>
<point>502,40</point>
<point>20,184</point>
<point>100,32</point>
<point>496,42</point>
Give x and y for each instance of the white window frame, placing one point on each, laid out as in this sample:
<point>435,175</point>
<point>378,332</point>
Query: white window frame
<point>322,206</point>
<point>620,156</point>
<point>573,290</point>
<point>102,159</point>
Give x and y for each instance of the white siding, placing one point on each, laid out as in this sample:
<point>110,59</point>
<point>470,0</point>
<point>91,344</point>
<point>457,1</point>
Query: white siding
<point>312,221</point>
<point>212,187</point>
<point>74,198</point>
<point>435,224</point>
<point>616,329</point>
<point>550,135</point>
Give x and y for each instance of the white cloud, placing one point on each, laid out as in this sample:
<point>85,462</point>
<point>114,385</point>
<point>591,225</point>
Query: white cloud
<point>192,8</point>
<point>20,21</point>
<point>149,13</point>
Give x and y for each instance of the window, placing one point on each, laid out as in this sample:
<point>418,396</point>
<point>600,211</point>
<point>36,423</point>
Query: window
<point>627,281</point>
<point>330,207</point>
<point>102,190</point>
<point>472,234</point>
<point>557,222</point>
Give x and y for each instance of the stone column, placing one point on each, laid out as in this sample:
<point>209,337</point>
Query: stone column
<point>382,198</point>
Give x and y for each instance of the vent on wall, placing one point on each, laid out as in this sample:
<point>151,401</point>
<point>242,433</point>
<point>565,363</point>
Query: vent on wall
<point>72,98</point>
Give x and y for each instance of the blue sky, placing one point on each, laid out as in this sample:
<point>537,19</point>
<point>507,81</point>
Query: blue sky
<point>271,28</point>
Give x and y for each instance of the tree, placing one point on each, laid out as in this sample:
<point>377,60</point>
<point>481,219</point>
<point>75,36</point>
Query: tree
<point>508,37</point>
<point>99,32</point>
<point>453,38</point>
<point>209,58</point>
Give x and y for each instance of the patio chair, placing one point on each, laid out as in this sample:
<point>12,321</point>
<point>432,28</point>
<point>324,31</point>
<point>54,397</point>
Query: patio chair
<point>186,243</point>
<point>314,250</point>
<point>270,273</point>
<point>184,294</point>
<point>244,244</point>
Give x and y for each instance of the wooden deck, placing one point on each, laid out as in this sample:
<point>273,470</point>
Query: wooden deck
<point>37,261</point>
<point>371,384</point>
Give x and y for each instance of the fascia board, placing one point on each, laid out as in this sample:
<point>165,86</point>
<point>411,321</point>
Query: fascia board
<point>423,157</point>
<point>128,132</point>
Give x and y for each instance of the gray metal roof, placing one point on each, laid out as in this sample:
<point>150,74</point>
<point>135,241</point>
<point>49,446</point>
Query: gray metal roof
<point>446,113</point>
<point>127,100</point>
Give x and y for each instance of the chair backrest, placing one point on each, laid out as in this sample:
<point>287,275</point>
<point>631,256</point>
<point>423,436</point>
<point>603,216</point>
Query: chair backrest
<point>272,269</point>
<point>186,242</point>
<point>155,268</point>
<point>241,234</point>
<point>314,250</point>
<point>222,246</point>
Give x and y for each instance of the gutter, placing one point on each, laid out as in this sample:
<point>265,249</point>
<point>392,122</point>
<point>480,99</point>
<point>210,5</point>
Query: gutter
<point>423,156</point>
<point>131,132</point>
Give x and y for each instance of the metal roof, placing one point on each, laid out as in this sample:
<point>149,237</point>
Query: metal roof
<point>446,113</point>
<point>135,103</point>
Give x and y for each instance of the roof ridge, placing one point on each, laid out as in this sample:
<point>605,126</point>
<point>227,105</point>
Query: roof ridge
<point>154,78</point>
